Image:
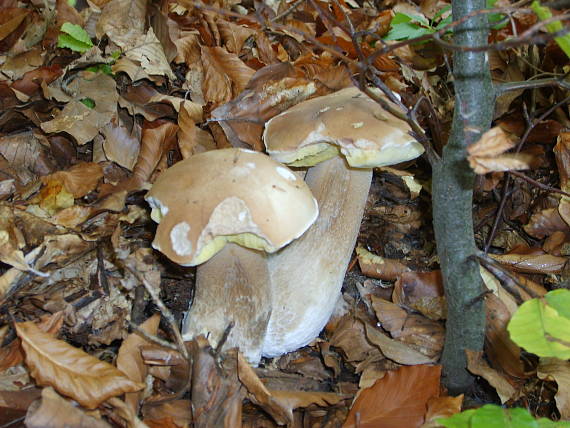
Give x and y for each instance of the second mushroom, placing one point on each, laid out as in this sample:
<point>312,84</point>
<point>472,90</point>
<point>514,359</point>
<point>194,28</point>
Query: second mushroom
<point>341,136</point>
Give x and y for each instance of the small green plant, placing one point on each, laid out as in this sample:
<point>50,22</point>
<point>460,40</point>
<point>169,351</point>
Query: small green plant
<point>543,14</point>
<point>493,416</point>
<point>406,27</point>
<point>74,37</point>
<point>88,102</point>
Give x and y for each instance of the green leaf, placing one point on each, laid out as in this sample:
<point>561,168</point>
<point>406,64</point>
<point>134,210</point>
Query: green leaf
<point>542,326</point>
<point>543,14</point>
<point>493,416</point>
<point>103,68</point>
<point>406,31</point>
<point>74,37</point>
<point>442,11</point>
<point>88,102</point>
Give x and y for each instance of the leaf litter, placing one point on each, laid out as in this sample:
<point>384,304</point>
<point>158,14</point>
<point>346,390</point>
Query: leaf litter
<point>84,132</point>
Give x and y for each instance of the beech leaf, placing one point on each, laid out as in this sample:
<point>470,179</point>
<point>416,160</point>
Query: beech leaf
<point>69,370</point>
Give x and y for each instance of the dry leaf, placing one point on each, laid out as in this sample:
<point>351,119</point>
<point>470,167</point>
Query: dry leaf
<point>478,366</point>
<point>532,263</point>
<point>225,75</point>
<point>122,145</point>
<point>486,155</point>
<point>501,350</point>
<point>395,350</point>
<point>559,370</point>
<point>422,291</point>
<point>379,267</point>
<point>441,407</point>
<point>80,121</point>
<point>69,370</point>
<point>397,400</point>
<point>130,360</point>
<point>53,411</point>
<point>78,180</point>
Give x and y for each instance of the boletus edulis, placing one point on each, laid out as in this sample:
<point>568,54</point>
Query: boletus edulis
<point>209,208</point>
<point>341,137</point>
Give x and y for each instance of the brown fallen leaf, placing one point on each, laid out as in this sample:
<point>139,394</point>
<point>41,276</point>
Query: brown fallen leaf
<point>559,370</point>
<point>379,267</point>
<point>179,412</point>
<point>130,360</point>
<point>532,263</point>
<point>69,370</point>
<point>422,291</point>
<point>280,404</point>
<point>54,411</point>
<point>441,407</point>
<point>501,350</point>
<point>478,366</point>
<point>395,350</point>
<point>78,180</point>
<point>397,400</point>
<point>488,154</point>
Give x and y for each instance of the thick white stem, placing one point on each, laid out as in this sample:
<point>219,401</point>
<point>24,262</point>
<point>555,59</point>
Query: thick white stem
<point>307,275</point>
<point>233,286</point>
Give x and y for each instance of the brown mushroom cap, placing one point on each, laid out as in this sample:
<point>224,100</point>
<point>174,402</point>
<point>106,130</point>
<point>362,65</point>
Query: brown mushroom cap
<point>226,195</point>
<point>348,121</point>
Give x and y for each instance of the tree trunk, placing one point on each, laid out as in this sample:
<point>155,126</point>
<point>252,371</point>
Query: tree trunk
<point>452,199</point>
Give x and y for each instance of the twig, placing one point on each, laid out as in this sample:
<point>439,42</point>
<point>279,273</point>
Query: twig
<point>163,309</point>
<point>152,338</point>
<point>287,12</point>
<point>538,184</point>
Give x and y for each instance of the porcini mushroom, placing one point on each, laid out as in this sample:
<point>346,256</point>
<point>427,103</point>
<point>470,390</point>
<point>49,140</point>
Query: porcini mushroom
<point>209,207</point>
<point>316,132</point>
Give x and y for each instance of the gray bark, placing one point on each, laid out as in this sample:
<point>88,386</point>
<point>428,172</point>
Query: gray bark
<point>452,199</point>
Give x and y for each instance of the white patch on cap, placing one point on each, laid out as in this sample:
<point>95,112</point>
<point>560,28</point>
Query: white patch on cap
<point>285,173</point>
<point>323,110</point>
<point>156,203</point>
<point>250,165</point>
<point>247,150</point>
<point>339,108</point>
<point>242,215</point>
<point>357,125</point>
<point>179,239</point>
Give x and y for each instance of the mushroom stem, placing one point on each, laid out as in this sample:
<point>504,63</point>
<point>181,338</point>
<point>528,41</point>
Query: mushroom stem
<point>307,275</point>
<point>232,287</point>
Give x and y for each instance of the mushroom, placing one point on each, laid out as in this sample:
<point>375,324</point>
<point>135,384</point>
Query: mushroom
<point>307,275</point>
<point>209,207</point>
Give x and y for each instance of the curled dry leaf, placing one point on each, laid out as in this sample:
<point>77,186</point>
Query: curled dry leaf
<point>130,360</point>
<point>422,291</point>
<point>487,154</point>
<point>191,139</point>
<point>225,75</point>
<point>69,370</point>
<point>379,267</point>
<point>478,366</point>
<point>501,350</point>
<point>397,400</point>
<point>559,370</point>
<point>544,223</point>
